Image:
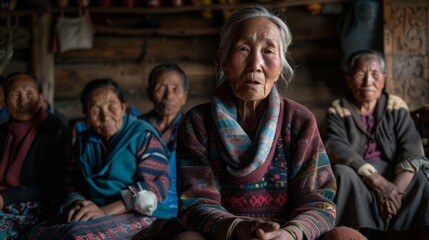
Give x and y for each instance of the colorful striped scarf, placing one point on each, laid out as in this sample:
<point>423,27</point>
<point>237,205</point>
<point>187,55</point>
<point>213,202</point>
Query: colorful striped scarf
<point>242,155</point>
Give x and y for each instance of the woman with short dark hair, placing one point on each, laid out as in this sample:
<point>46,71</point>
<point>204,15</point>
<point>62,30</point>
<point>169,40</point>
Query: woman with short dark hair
<point>168,91</point>
<point>35,150</point>
<point>120,173</point>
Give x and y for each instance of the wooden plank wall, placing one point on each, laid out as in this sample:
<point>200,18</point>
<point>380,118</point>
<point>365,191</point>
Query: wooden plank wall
<point>129,59</point>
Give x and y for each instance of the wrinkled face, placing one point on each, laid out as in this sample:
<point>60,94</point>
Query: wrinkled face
<point>168,95</point>
<point>105,112</point>
<point>367,80</point>
<point>23,98</point>
<point>253,64</point>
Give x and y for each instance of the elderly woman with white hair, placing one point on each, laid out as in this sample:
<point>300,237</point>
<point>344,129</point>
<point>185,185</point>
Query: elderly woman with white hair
<point>251,164</point>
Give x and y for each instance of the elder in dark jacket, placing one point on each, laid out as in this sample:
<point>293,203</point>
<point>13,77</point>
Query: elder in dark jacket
<point>35,148</point>
<point>377,154</point>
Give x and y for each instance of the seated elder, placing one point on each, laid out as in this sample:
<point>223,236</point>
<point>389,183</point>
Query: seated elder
<point>121,171</point>
<point>35,149</point>
<point>168,90</point>
<point>377,155</point>
<point>251,164</point>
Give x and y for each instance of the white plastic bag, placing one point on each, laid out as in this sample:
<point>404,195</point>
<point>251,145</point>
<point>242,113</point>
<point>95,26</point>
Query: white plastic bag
<point>75,33</point>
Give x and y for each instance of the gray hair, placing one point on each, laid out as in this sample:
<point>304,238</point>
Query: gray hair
<point>354,59</point>
<point>228,30</point>
<point>166,67</point>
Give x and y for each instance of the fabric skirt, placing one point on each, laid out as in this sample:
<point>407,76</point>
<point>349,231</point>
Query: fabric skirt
<point>17,219</point>
<point>357,204</point>
<point>122,226</point>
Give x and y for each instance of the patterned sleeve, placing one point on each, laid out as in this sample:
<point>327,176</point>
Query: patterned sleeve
<point>152,171</point>
<point>199,197</point>
<point>312,182</point>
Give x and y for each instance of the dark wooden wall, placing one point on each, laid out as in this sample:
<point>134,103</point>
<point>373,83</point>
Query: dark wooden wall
<point>129,58</point>
<point>126,50</point>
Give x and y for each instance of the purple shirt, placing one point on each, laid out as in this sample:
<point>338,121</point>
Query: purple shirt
<point>371,152</point>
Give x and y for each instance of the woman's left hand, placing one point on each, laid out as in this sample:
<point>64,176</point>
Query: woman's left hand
<point>387,194</point>
<point>279,234</point>
<point>84,211</point>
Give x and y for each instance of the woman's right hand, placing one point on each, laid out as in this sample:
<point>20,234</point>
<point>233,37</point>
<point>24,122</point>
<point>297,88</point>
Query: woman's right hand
<point>388,195</point>
<point>261,230</point>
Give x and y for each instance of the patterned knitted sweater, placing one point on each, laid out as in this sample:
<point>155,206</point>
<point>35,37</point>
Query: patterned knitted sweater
<point>296,188</point>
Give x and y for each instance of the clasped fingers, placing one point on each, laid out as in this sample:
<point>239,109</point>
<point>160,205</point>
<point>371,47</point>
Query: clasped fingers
<point>84,211</point>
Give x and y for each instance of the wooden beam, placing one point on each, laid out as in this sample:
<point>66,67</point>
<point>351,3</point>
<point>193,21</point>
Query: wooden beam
<point>199,8</point>
<point>183,32</point>
<point>18,13</point>
<point>42,63</point>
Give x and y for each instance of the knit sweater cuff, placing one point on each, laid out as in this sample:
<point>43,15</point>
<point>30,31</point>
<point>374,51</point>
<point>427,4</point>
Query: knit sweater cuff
<point>297,226</point>
<point>294,230</point>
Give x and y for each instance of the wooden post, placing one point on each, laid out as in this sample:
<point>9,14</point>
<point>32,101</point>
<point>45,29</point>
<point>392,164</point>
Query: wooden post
<point>42,61</point>
<point>406,48</point>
